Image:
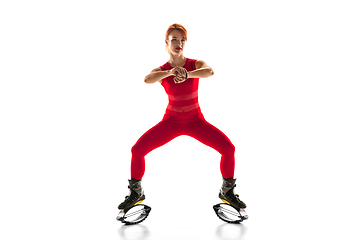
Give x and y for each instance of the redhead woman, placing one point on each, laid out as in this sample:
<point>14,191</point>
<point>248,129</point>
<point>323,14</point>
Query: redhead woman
<point>180,78</point>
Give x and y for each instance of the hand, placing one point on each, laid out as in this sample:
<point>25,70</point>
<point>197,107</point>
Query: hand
<point>180,74</point>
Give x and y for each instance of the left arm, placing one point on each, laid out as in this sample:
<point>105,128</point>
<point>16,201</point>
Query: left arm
<point>202,70</point>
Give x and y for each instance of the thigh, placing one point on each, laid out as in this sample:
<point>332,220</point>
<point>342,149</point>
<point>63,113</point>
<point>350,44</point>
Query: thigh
<point>155,137</point>
<point>210,136</point>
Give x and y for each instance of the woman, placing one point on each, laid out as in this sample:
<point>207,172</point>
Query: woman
<point>180,79</point>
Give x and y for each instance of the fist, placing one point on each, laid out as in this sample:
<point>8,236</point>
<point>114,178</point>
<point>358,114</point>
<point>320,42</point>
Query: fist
<point>180,74</point>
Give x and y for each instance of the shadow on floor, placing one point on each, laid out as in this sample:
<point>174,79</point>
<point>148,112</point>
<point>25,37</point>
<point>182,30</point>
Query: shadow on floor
<point>228,231</point>
<point>133,232</point>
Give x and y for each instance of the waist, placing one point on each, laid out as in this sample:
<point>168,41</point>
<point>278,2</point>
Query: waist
<point>194,113</point>
<point>183,109</point>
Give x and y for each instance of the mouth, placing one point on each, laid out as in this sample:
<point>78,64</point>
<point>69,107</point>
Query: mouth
<point>178,48</point>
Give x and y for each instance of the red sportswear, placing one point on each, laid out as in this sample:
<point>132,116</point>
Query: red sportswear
<point>182,117</point>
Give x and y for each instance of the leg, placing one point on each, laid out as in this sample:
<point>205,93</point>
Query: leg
<point>155,137</point>
<point>213,137</point>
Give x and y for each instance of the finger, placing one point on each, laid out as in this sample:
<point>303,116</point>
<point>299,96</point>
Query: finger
<point>181,74</point>
<point>173,72</point>
<point>177,69</point>
<point>176,80</point>
<point>184,71</point>
<point>180,79</point>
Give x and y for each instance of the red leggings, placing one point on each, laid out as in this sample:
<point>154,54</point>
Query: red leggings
<point>173,126</point>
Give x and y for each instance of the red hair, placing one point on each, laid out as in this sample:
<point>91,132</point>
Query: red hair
<point>179,27</point>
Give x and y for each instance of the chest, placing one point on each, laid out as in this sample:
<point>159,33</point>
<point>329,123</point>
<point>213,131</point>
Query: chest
<point>171,88</point>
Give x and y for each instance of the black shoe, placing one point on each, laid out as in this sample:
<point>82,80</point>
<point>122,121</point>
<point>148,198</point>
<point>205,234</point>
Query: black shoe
<point>135,197</point>
<point>227,194</point>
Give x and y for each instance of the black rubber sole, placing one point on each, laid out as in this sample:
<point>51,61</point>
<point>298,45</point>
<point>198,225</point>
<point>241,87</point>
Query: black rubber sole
<point>229,214</point>
<point>138,216</point>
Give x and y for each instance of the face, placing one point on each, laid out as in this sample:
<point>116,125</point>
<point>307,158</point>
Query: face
<point>175,42</point>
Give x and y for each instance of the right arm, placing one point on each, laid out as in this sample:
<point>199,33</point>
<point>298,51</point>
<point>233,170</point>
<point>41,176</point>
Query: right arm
<point>157,75</point>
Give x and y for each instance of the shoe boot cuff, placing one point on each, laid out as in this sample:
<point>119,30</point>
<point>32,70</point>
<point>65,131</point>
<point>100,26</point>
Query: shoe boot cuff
<point>135,185</point>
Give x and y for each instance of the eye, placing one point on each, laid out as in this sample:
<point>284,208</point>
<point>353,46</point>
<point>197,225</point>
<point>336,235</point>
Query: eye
<point>183,40</point>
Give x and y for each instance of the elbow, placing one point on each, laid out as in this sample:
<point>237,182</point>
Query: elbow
<point>211,71</point>
<point>146,80</point>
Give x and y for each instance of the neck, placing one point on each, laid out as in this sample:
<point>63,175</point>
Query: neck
<point>177,60</point>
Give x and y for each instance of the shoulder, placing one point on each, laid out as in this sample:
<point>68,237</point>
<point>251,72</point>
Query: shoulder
<point>165,66</point>
<point>190,63</point>
<point>158,69</point>
<point>200,64</point>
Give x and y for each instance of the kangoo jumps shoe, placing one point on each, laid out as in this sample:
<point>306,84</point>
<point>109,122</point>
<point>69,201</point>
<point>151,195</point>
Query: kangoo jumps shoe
<point>135,196</point>
<point>227,194</point>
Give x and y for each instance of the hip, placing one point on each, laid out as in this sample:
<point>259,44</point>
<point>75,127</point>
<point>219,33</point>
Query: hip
<point>185,116</point>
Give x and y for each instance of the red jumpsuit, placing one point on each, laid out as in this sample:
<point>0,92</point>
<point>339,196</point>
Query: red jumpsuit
<point>182,117</point>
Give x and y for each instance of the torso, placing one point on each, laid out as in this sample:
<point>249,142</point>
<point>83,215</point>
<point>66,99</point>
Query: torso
<point>172,66</point>
<point>183,97</point>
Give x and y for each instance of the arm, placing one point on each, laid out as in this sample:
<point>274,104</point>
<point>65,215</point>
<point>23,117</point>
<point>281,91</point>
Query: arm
<point>157,75</point>
<point>202,70</point>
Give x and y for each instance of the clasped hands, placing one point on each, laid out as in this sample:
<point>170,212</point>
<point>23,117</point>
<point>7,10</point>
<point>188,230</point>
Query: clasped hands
<point>180,73</point>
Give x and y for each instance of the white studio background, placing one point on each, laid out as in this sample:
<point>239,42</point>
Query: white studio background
<point>73,103</point>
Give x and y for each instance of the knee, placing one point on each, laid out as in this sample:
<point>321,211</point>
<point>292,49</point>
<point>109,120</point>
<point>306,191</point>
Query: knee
<point>137,150</point>
<point>229,148</point>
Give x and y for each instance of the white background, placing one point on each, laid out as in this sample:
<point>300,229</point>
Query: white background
<point>73,103</point>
